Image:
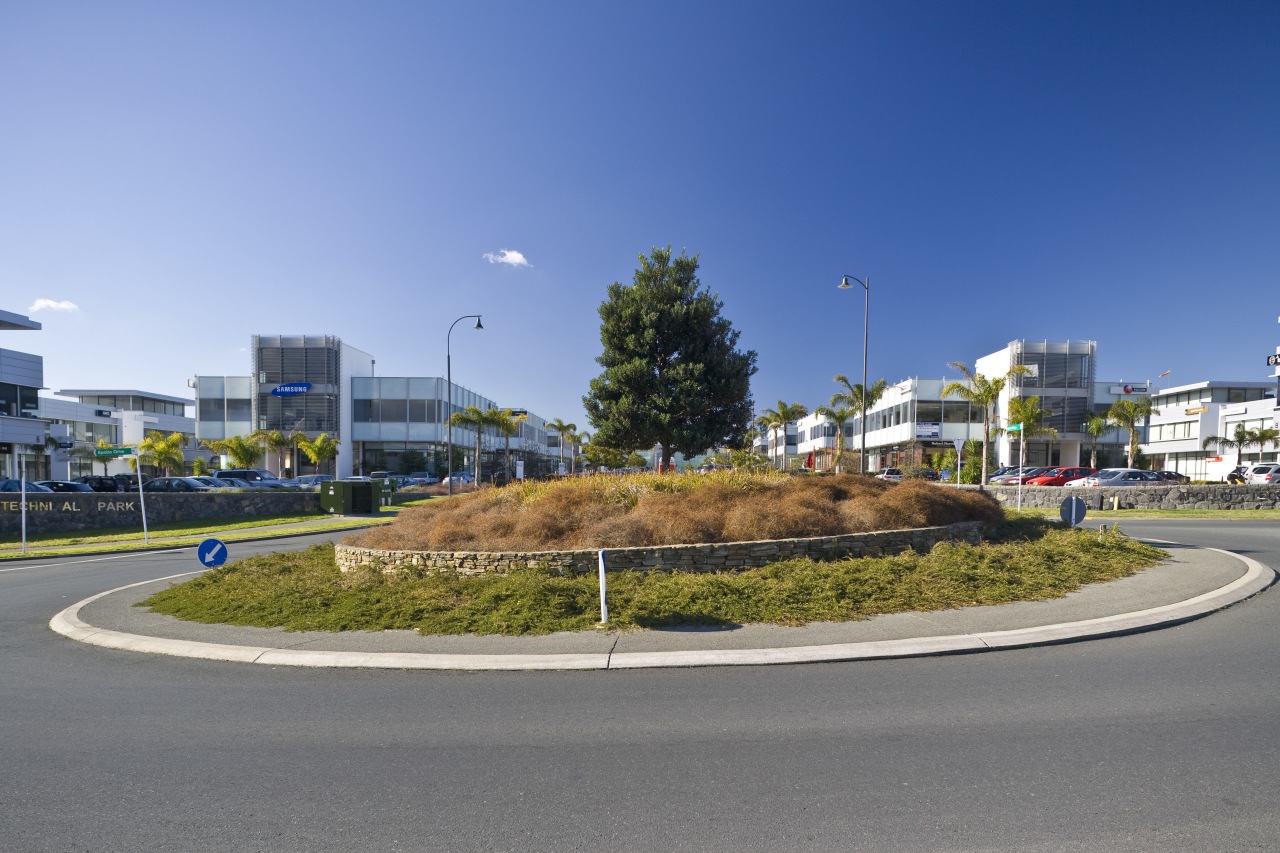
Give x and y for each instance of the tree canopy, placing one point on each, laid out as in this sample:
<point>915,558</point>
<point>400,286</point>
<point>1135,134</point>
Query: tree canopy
<point>672,374</point>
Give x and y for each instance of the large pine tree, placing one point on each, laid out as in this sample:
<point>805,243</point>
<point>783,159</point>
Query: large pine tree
<point>672,376</point>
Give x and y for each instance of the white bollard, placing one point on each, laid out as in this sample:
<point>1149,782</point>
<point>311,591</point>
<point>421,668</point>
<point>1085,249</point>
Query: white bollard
<point>604,604</point>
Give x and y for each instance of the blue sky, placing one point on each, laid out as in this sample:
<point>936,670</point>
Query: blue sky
<point>175,177</point>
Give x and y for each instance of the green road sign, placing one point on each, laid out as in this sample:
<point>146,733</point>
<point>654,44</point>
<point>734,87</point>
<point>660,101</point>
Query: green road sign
<point>112,452</point>
<point>1013,428</point>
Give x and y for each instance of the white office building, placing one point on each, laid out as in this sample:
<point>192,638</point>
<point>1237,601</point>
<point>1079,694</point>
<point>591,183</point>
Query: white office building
<point>314,384</point>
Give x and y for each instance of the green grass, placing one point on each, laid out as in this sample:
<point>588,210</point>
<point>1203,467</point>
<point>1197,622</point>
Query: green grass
<point>166,535</point>
<point>304,591</point>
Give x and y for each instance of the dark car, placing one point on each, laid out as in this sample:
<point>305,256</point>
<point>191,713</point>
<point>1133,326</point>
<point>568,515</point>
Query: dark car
<point>99,484</point>
<point>129,482</point>
<point>1174,476</point>
<point>16,486</point>
<point>176,484</point>
<point>64,486</point>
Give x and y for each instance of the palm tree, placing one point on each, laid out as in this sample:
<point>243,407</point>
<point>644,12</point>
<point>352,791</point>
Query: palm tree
<point>1096,426</point>
<point>1262,436</point>
<point>840,416</point>
<point>575,446</point>
<point>163,451</point>
<point>1239,440</point>
<point>779,418</point>
<point>507,425</point>
<point>273,441</point>
<point>984,393</point>
<point>1127,414</point>
<point>473,417</point>
<point>858,400</point>
<point>561,429</point>
<point>243,452</point>
<point>319,449</point>
<point>1027,411</point>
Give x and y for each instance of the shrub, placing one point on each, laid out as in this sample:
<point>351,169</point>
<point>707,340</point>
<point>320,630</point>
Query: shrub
<point>672,509</point>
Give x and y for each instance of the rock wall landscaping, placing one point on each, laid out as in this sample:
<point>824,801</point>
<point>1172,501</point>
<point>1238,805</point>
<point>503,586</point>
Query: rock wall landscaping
<point>1170,497</point>
<point>689,558</point>
<point>71,511</point>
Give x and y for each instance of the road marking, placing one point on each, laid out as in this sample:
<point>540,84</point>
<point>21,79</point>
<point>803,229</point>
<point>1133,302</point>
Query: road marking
<point>93,560</point>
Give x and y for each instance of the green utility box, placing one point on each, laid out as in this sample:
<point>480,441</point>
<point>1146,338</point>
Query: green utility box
<point>384,489</point>
<point>348,497</point>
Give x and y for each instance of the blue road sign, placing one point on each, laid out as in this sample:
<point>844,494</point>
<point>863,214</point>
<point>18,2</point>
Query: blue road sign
<point>212,553</point>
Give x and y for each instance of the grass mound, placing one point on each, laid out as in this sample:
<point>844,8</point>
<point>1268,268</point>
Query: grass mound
<point>672,509</point>
<point>305,591</point>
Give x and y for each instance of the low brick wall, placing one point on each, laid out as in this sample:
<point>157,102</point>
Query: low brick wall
<point>1170,497</point>
<point>688,558</point>
<point>72,511</point>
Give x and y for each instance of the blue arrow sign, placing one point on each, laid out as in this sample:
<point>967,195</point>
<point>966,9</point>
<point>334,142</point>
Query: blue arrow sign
<point>212,553</point>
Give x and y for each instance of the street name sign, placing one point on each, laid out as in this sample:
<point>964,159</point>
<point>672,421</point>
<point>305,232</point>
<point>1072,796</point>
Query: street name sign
<point>112,452</point>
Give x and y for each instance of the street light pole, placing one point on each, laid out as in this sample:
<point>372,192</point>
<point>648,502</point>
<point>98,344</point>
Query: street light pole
<point>448,381</point>
<point>866,319</point>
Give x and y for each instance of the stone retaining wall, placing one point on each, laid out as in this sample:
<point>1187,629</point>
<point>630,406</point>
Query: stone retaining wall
<point>689,558</point>
<point>72,511</point>
<point>1172,496</point>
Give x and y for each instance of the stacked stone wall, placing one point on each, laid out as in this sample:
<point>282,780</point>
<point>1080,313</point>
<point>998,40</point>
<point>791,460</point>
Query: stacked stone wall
<point>690,558</point>
<point>74,511</point>
<point>1171,497</point>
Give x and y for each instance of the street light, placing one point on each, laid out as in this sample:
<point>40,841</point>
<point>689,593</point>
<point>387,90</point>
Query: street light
<point>866,319</point>
<point>448,381</point>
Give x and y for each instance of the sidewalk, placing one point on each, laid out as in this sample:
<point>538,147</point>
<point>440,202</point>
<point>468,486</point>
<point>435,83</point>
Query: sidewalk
<point>1193,583</point>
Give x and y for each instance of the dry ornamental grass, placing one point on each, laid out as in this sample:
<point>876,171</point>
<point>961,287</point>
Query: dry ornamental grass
<point>673,509</point>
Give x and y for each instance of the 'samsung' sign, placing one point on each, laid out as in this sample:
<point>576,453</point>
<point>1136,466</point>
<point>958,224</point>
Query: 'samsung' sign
<point>291,389</point>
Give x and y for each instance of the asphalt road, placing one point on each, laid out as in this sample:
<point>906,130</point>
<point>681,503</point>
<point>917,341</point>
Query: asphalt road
<point>1161,741</point>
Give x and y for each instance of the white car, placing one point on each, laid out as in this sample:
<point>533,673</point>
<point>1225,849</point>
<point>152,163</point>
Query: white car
<point>1265,474</point>
<point>894,474</point>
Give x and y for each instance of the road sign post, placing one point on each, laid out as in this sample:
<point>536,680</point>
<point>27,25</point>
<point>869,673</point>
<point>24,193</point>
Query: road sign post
<point>115,452</point>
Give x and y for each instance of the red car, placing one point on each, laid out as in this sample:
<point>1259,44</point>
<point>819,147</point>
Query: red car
<point>1058,476</point>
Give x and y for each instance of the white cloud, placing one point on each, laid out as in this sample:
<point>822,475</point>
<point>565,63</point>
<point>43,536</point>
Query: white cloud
<point>507,256</point>
<point>52,305</point>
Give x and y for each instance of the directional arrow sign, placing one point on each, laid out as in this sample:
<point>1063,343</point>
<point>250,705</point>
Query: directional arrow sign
<point>111,452</point>
<point>212,553</point>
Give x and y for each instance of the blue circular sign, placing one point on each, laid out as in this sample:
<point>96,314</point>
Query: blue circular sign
<point>212,553</point>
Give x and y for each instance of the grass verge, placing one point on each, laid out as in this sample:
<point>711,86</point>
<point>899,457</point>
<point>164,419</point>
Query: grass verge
<point>166,535</point>
<point>1031,559</point>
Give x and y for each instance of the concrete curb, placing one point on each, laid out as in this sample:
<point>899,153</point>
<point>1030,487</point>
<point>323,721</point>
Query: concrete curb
<point>1256,578</point>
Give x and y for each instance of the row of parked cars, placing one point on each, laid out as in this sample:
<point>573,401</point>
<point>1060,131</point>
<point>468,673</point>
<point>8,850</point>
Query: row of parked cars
<point>231,478</point>
<point>1076,476</point>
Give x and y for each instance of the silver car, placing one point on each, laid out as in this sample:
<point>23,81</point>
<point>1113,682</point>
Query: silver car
<point>1124,477</point>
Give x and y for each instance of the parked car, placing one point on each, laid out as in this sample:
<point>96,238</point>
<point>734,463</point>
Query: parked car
<point>1019,478</point>
<point>256,476</point>
<point>176,484</point>
<point>461,478</point>
<point>16,486</point>
<point>1057,476</point>
<point>214,482</point>
<point>1174,476</point>
<point>1266,474</point>
<point>1123,477</point>
<point>924,473</point>
<point>1002,479</point>
<point>424,478</point>
<point>128,482</point>
<point>99,484</point>
<point>1238,475</point>
<point>892,474</point>
<point>64,486</point>
<point>309,481</point>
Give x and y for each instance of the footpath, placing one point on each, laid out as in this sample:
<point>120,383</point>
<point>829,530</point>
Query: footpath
<point>1194,582</point>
